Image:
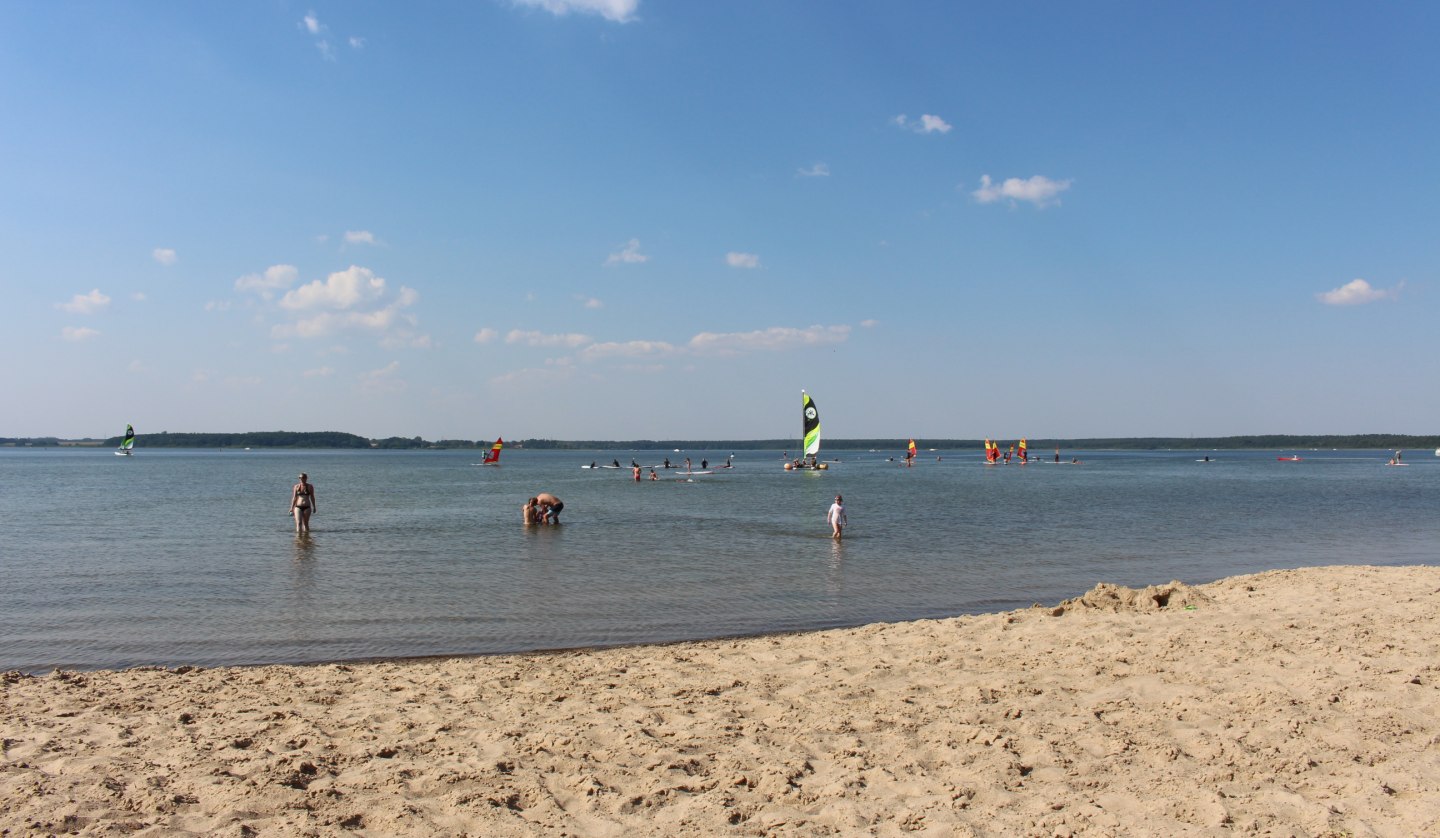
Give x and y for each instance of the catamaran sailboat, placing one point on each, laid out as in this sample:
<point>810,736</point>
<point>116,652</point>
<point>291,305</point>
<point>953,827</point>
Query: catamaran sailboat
<point>810,434</point>
<point>127,443</point>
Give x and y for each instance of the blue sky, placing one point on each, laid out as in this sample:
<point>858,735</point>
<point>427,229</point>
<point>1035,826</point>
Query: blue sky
<point>624,219</point>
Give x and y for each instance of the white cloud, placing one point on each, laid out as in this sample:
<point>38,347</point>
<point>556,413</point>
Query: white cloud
<point>628,255</point>
<point>78,333</point>
<point>85,303</point>
<point>619,11</point>
<point>817,170</point>
<point>342,289</point>
<point>217,305</point>
<point>869,324</point>
<point>357,42</point>
<point>742,260</point>
<point>626,349</point>
<point>540,339</point>
<point>360,237</point>
<point>164,255</point>
<point>589,302</point>
<point>138,296</point>
<point>926,124</point>
<point>310,23</point>
<point>318,372</point>
<point>775,338</point>
<point>1038,190</point>
<point>486,335</point>
<point>266,284</point>
<point>1357,292</point>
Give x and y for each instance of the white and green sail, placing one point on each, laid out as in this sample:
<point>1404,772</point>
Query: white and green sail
<point>129,441</point>
<point>811,426</point>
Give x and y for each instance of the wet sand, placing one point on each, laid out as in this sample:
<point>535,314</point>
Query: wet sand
<point>1300,702</point>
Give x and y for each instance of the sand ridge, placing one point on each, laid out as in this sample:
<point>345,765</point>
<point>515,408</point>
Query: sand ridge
<point>1298,702</point>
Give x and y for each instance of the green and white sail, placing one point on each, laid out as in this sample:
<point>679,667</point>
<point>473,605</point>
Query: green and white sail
<point>129,441</point>
<point>811,426</point>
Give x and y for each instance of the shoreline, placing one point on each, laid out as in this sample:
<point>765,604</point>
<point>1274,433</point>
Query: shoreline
<point>1296,700</point>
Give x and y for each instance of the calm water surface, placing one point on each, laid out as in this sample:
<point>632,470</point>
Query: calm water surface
<point>173,557</point>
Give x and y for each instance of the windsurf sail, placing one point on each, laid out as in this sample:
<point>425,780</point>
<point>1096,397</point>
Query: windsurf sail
<point>811,426</point>
<point>1024,456</point>
<point>129,441</point>
<point>911,453</point>
<point>992,451</point>
<point>494,455</point>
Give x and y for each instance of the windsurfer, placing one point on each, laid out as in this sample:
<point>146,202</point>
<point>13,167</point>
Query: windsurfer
<point>302,503</point>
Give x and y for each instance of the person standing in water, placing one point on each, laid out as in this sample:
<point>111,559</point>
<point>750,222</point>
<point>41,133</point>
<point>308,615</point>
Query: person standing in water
<point>552,505</point>
<point>302,503</point>
<point>836,517</point>
<point>530,511</point>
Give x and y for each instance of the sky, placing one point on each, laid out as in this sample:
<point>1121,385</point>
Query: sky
<point>648,219</point>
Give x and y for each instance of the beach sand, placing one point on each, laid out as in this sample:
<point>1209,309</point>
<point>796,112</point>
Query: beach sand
<point>1298,702</point>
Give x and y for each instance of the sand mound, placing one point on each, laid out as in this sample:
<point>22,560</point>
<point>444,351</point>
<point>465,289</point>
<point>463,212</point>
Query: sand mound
<point>1118,598</point>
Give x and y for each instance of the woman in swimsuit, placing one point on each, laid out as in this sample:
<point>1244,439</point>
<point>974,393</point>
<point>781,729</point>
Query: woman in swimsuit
<point>302,503</point>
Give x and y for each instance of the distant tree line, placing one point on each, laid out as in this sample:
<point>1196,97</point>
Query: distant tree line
<point>338,439</point>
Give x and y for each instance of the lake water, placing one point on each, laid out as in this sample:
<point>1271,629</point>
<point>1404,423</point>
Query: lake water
<point>187,557</point>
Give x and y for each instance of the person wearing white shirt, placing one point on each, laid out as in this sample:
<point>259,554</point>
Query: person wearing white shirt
<point>836,517</point>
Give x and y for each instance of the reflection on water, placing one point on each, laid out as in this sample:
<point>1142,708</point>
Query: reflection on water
<point>419,553</point>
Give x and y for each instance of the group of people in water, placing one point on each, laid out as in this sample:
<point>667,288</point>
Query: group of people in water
<point>544,508</point>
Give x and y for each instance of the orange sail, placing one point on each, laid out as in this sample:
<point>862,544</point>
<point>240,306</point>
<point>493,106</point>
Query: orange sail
<point>494,455</point>
<point>1024,457</point>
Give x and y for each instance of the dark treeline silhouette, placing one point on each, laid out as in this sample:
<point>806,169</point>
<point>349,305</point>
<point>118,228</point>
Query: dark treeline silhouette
<point>338,439</point>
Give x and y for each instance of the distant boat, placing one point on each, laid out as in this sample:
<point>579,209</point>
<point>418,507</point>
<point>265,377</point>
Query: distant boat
<point>810,436</point>
<point>128,443</point>
<point>1294,459</point>
<point>493,458</point>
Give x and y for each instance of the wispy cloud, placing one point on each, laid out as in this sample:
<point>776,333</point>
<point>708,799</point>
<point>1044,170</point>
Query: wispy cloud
<point>357,42</point>
<point>78,333</point>
<point>742,260</point>
<point>310,23</point>
<point>486,335</point>
<point>589,302</point>
<point>271,280</point>
<point>1358,292</point>
<point>1038,190</point>
<point>383,381</point>
<point>619,11</point>
<point>775,338</point>
<point>85,303</point>
<point>817,170</point>
<point>165,255</point>
<point>926,124</point>
<point>540,339</point>
<point>360,237</point>
<point>629,255</point>
<point>626,349</point>
<point>319,372</point>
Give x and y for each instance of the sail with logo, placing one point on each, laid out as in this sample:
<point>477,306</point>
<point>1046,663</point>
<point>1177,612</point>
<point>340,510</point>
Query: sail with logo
<point>128,443</point>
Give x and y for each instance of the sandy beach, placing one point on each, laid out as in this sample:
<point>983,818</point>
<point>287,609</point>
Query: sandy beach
<point>1299,702</point>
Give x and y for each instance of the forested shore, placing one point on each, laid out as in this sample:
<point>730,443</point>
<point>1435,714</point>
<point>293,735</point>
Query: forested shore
<point>339,439</point>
